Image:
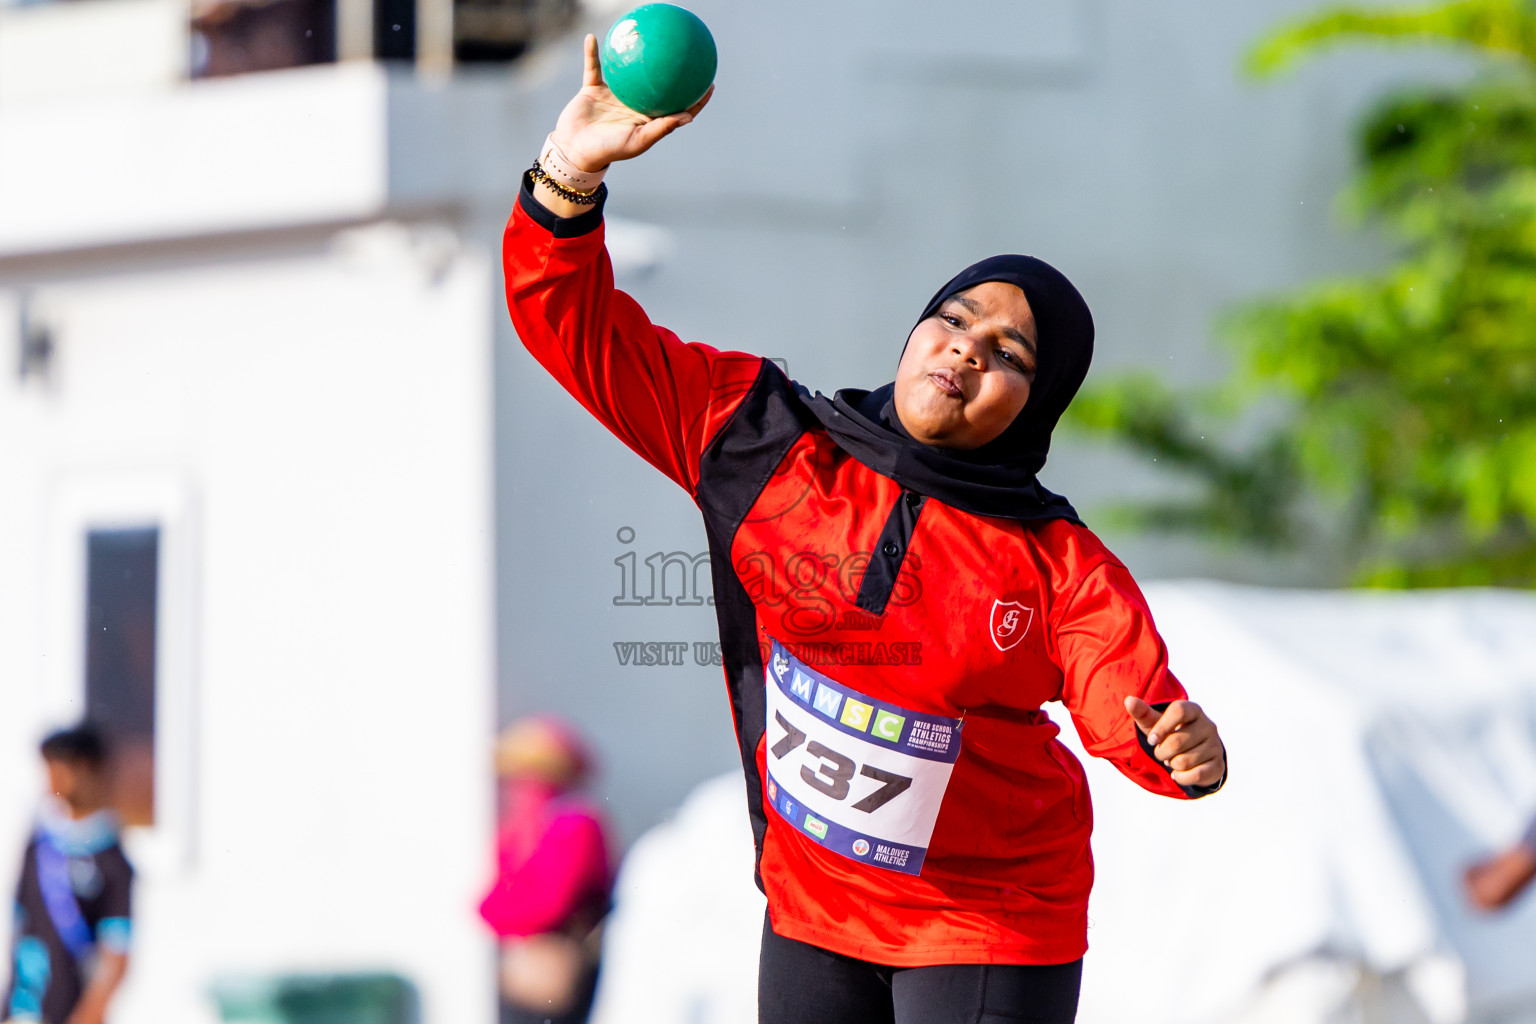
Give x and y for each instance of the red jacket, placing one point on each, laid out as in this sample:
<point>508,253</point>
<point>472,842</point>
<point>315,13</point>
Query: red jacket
<point>886,656</point>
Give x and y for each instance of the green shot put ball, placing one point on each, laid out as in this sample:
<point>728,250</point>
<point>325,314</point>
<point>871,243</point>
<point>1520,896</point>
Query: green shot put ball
<point>658,59</point>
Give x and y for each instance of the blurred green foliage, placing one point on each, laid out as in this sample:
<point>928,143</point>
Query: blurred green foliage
<point>1390,420</point>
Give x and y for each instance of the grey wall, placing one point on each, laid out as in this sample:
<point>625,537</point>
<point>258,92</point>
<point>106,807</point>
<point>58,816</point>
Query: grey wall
<point>855,156</point>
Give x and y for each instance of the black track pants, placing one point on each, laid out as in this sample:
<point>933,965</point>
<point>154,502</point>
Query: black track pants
<point>803,984</point>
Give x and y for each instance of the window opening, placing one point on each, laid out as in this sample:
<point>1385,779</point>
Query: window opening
<point>121,618</point>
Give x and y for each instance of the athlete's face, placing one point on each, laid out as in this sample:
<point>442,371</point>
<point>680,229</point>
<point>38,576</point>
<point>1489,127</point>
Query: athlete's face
<point>967,369</point>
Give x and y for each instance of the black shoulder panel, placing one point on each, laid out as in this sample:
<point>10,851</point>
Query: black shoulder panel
<point>733,471</point>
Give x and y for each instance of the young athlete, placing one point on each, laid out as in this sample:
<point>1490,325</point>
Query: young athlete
<point>897,596</point>
<point>70,948</point>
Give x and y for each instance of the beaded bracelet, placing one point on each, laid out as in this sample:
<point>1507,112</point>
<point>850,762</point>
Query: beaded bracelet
<point>570,195</point>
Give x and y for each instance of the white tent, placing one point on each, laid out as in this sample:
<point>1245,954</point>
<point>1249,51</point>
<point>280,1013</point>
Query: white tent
<point>1379,742</point>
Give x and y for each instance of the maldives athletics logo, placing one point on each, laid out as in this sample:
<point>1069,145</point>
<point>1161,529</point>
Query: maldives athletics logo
<point>1010,621</point>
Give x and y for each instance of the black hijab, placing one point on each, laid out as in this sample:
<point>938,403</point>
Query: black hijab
<point>997,479</point>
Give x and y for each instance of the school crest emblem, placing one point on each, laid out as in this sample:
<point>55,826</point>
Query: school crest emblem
<point>1010,621</point>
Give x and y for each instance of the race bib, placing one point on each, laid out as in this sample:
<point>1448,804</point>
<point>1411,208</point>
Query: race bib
<point>858,775</point>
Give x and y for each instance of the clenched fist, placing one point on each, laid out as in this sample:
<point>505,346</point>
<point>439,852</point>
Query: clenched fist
<point>1183,738</point>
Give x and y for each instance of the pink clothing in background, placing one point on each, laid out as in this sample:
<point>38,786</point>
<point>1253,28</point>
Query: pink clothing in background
<point>553,871</point>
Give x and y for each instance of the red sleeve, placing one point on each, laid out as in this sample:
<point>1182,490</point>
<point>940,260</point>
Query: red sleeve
<point>1110,649</point>
<point>566,870</point>
<point>663,398</point>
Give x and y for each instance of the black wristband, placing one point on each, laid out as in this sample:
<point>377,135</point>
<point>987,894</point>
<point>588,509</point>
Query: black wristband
<point>583,223</point>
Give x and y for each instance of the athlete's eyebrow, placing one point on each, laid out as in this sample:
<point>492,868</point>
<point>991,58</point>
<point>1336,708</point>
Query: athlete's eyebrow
<point>1011,332</point>
<point>970,304</point>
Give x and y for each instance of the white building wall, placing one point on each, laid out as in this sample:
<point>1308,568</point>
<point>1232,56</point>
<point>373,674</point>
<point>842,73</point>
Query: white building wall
<point>324,418</point>
<point>92,47</point>
<point>126,166</point>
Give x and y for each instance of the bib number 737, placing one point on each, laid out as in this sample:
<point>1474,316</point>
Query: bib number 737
<point>860,776</point>
<point>834,771</point>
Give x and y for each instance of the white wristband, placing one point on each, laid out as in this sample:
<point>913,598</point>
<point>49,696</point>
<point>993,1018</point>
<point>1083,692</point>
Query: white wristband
<point>560,168</point>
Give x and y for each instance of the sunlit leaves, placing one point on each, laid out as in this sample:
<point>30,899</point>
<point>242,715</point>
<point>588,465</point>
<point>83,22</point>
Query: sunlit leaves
<point>1504,27</point>
<point>1410,434</point>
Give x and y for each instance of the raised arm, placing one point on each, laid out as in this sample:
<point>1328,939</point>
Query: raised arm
<point>663,398</point>
<point>1127,706</point>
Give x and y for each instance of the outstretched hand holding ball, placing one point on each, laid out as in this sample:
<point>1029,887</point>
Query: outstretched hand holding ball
<point>656,59</point>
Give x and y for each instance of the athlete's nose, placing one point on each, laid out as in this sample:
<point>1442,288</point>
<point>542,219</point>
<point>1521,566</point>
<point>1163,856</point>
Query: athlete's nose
<point>967,348</point>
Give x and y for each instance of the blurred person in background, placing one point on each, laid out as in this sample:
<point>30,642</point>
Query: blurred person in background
<point>553,876</point>
<point>1494,882</point>
<point>70,948</point>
